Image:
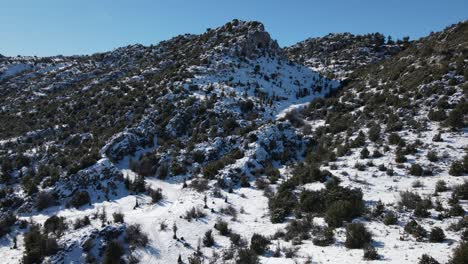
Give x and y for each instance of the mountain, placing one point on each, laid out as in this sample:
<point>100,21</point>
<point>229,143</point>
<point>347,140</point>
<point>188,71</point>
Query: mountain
<point>339,54</point>
<point>225,145</point>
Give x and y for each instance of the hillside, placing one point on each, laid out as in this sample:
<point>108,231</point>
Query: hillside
<point>225,148</point>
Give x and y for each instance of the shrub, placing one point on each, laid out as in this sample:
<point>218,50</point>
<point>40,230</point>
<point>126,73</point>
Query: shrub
<point>135,237</point>
<point>324,238</point>
<point>409,199</point>
<point>156,195</point>
<point>114,252</point>
<point>222,227</point>
<point>259,243</point>
<point>370,253</point>
<point>432,156</point>
<point>364,153</point>
<point>6,221</point>
<point>194,213</point>
<point>237,240</point>
<point>38,245</point>
<point>437,235</point>
<point>394,139</point>
<point>421,210</point>
<point>80,198</point>
<point>44,200</point>
<point>338,212</point>
<point>426,259</point>
<point>118,217</point>
<point>390,218</point>
<point>441,186</point>
<point>416,170</point>
<point>56,225</point>
<point>460,254</point>
<point>414,229</point>
<point>247,256</point>
<point>456,210</point>
<point>456,169</point>
<point>357,236</point>
<point>208,240</point>
<point>81,222</point>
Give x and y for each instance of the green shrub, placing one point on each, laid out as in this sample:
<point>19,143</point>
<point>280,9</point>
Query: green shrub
<point>208,240</point>
<point>416,170</point>
<point>259,243</point>
<point>38,245</point>
<point>437,235</point>
<point>460,254</point>
<point>118,217</point>
<point>222,227</point>
<point>457,168</point>
<point>370,253</point>
<point>414,229</point>
<point>114,252</point>
<point>426,259</point>
<point>357,236</point>
<point>80,198</point>
<point>390,218</point>
<point>135,237</point>
<point>56,225</point>
<point>247,256</point>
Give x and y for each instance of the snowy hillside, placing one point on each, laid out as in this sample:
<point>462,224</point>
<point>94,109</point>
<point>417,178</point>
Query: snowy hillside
<point>224,148</point>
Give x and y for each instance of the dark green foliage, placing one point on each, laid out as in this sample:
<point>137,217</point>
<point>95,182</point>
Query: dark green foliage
<point>456,210</point>
<point>282,203</point>
<point>457,168</point>
<point>118,217</point>
<point>56,225</point>
<point>359,141</point>
<point>374,133</point>
<point>309,173</point>
<point>247,256</point>
<point>455,118</point>
<point>409,199</point>
<point>426,259</point>
<point>208,240</point>
<point>6,221</point>
<point>432,156</point>
<point>394,139</point>
<point>357,236</point>
<point>441,186</point>
<point>324,238</point>
<point>45,200</point>
<point>364,153</point>
<point>416,170</point>
<point>222,227</point>
<point>38,245</point>
<point>414,229</point>
<point>259,243</point>
<point>114,252</point>
<point>370,253</point>
<point>460,254</point>
<point>135,237</point>
<point>437,235</point>
<point>338,203</point>
<point>81,222</point>
<point>80,198</point>
<point>461,191</point>
<point>438,115</point>
<point>156,195</point>
<point>390,218</point>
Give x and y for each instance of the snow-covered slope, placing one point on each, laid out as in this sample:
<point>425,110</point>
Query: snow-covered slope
<point>216,148</point>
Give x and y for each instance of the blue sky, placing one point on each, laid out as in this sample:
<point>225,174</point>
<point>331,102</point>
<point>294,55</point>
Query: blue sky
<point>51,27</point>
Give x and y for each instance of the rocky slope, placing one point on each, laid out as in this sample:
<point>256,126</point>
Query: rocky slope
<point>337,55</point>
